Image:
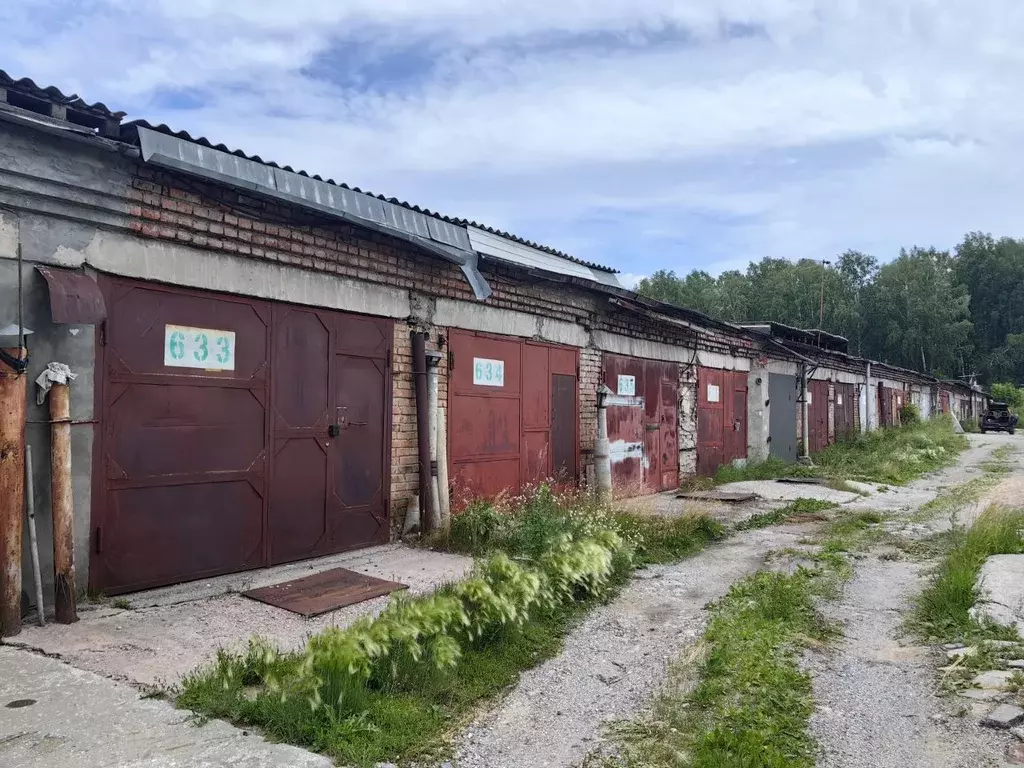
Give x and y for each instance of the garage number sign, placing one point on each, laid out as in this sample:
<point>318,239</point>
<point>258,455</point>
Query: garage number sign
<point>488,373</point>
<point>627,385</point>
<point>187,347</point>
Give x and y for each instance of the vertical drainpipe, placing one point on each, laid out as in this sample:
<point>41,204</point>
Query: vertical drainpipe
<point>433,520</point>
<point>419,373</point>
<point>867,398</point>
<point>62,503</point>
<point>602,459</point>
<point>805,447</point>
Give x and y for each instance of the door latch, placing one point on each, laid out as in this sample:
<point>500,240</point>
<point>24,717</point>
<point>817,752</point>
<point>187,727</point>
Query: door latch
<point>334,430</point>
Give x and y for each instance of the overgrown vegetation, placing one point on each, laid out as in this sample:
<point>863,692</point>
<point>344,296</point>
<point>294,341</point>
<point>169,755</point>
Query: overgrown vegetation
<point>801,509</point>
<point>1009,393</point>
<point>386,688</point>
<point>752,703</point>
<point>942,612</point>
<point>893,456</point>
<point>910,414</point>
<point>524,526</point>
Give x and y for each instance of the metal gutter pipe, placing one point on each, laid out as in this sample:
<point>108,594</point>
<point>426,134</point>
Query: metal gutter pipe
<point>419,373</point>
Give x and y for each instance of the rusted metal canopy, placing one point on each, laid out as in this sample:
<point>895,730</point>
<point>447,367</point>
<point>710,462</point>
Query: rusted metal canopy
<point>74,296</point>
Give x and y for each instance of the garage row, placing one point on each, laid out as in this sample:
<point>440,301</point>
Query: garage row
<point>239,433</point>
<point>248,392</point>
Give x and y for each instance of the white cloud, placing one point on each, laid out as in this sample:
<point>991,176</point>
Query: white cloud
<point>643,134</point>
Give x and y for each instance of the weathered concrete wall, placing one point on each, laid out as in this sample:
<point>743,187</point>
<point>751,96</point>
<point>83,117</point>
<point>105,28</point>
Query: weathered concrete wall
<point>832,412</point>
<point>687,422</point>
<point>73,345</point>
<point>758,413</point>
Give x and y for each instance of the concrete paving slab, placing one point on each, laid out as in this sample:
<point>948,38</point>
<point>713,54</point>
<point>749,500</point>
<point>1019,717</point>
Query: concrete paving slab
<point>181,628</point>
<point>786,492</point>
<point>1001,587</point>
<point>80,719</point>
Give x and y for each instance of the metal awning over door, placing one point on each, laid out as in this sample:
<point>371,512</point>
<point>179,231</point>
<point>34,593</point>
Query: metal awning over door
<point>235,433</point>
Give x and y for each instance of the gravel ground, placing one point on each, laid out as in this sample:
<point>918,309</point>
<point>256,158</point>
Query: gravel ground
<point>614,662</point>
<point>877,702</point>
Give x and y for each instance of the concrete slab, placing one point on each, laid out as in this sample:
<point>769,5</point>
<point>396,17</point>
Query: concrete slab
<point>729,497</point>
<point>80,719</point>
<point>771,490</point>
<point>1001,586</point>
<point>180,628</point>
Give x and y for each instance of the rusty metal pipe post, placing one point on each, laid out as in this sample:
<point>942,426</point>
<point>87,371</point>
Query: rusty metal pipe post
<point>13,386</point>
<point>419,372</point>
<point>63,505</point>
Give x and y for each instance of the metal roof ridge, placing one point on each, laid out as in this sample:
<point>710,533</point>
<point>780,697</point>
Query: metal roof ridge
<point>55,93</point>
<point>458,221</point>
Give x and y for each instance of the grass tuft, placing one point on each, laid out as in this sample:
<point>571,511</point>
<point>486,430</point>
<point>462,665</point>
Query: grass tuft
<point>942,612</point>
<point>800,508</point>
<point>752,704</point>
<point>893,456</point>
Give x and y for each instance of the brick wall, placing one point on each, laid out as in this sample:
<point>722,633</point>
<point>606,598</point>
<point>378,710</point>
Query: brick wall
<point>169,206</point>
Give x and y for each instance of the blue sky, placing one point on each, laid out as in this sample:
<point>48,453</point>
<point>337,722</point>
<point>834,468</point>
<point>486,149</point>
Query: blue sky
<point>648,135</point>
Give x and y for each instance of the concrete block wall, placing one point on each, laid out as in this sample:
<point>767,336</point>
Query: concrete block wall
<point>687,422</point>
<point>831,412</point>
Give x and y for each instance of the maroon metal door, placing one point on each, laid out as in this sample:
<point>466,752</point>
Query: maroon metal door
<point>736,418</point>
<point>818,415</point>
<point>200,471</point>
<point>330,388</point>
<point>642,424</point>
<point>181,464</point>
<point>721,418</point>
<point>512,429</point>
<point>711,398</point>
<point>845,407</point>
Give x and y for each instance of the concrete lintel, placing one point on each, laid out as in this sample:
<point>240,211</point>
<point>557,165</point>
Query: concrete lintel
<point>642,348</point>
<point>783,367</point>
<point>476,317</point>
<point>727,362</point>
<point>191,267</point>
<point>843,377</point>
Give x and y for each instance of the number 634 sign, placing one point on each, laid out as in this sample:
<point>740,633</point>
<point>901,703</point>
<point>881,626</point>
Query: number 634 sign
<point>187,347</point>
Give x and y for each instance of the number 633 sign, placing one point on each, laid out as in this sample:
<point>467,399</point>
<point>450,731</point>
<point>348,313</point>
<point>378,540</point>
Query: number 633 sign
<point>187,347</point>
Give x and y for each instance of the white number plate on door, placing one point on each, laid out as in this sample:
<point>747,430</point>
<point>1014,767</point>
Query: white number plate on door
<point>187,347</point>
<point>488,373</point>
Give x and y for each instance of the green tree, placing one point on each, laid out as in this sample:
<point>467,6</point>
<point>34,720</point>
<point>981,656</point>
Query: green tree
<point>917,315</point>
<point>1009,393</point>
<point>992,272</point>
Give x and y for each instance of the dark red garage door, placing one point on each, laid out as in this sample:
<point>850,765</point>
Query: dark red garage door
<point>235,433</point>
<point>846,407</point>
<point>817,414</point>
<point>513,414</point>
<point>721,418</point>
<point>642,424</point>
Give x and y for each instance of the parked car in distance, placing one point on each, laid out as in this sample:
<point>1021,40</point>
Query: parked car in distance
<point>998,419</point>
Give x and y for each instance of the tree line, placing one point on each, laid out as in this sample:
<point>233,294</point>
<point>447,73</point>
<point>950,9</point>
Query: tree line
<point>945,313</point>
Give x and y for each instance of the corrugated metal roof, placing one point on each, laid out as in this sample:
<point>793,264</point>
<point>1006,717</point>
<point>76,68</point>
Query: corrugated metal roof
<point>129,131</point>
<point>28,87</point>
